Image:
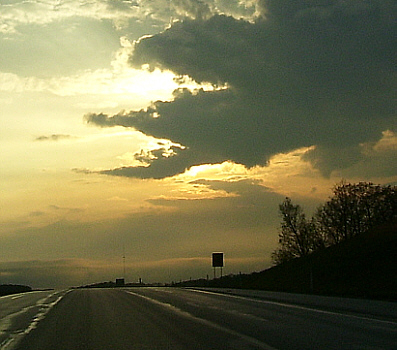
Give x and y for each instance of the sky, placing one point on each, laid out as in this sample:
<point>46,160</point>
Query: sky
<point>143,135</point>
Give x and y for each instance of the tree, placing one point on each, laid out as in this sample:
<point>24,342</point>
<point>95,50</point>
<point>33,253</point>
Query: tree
<point>351,211</point>
<point>298,237</point>
<point>354,209</point>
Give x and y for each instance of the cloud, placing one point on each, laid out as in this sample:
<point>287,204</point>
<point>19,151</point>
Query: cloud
<point>19,13</point>
<point>161,244</point>
<point>377,159</point>
<point>61,273</point>
<point>159,168</point>
<point>55,137</point>
<point>194,9</point>
<point>157,12</point>
<point>65,273</point>
<point>310,74</point>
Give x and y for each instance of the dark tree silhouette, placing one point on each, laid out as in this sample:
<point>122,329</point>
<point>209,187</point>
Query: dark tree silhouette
<point>352,210</point>
<point>298,237</point>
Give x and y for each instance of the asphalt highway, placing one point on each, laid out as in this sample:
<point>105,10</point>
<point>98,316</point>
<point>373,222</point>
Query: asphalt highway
<point>180,319</point>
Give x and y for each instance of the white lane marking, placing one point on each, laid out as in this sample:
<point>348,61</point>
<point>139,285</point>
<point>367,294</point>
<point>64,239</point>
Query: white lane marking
<point>44,307</point>
<point>292,306</point>
<point>18,295</point>
<point>253,341</point>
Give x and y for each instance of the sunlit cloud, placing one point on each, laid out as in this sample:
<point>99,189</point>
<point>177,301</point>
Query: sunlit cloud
<point>119,12</point>
<point>285,173</point>
<point>377,161</point>
<point>291,174</point>
<point>39,12</point>
<point>118,84</point>
<point>388,143</point>
<point>121,85</point>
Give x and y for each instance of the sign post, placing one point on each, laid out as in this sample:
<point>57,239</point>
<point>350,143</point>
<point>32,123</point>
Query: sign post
<point>217,261</point>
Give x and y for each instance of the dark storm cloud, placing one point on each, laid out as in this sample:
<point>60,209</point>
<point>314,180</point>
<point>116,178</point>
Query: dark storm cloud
<point>308,73</point>
<point>161,167</point>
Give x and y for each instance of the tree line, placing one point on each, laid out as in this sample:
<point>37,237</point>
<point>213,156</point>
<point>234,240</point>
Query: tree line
<point>352,210</point>
<point>6,289</point>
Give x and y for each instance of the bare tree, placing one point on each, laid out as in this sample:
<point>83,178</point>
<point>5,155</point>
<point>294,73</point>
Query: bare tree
<point>298,237</point>
<point>354,209</point>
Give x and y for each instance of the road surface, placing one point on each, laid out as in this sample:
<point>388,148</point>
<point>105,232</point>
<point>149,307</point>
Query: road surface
<point>20,313</point>
<point>180,319</point>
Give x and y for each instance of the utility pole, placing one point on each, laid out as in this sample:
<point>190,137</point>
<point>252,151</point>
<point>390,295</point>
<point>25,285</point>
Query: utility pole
<point>124,261</point>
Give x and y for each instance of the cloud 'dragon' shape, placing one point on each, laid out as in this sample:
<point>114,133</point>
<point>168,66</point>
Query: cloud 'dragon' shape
<point>306,73</point>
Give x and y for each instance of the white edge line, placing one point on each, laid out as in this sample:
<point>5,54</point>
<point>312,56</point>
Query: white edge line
<point>14,339</point>
<point>293,306</point>
<point>186,314</point>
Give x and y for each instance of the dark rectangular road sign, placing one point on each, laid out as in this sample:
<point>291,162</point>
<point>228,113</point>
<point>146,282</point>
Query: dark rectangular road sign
<point>217,259</point>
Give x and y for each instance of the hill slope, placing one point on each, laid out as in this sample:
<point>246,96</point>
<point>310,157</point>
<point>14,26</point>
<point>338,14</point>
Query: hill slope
<point>6,289</point>
<point>365,266</point>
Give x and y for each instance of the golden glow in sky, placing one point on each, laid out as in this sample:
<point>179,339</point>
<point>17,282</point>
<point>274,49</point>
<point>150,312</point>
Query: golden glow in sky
<point>172,131</point>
